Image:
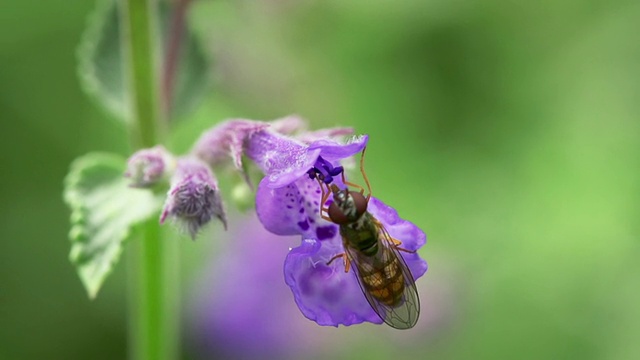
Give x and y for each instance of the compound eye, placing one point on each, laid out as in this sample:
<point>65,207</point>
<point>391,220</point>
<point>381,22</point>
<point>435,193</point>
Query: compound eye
<point>337,215</point>
<point>360,202</point>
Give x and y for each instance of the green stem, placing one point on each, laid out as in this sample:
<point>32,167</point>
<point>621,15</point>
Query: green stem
<point>153,290</point>
<point>153,296</point>
<point>138,30</point>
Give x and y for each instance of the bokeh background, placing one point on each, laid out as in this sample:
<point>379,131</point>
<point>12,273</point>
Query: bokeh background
<point>507,130</point>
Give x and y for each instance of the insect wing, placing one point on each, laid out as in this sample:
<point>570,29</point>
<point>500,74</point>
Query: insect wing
<point>376,274</point>
<point>404,316</point>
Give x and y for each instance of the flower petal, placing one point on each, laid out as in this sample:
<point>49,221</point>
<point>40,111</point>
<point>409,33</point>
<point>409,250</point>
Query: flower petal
<point>333,150</point>
<point>308,137</point>
<point>293,209</point>
<point>283,159</point>
<point>325,293</point>
<point>224,141</point>
<point>409,234</point>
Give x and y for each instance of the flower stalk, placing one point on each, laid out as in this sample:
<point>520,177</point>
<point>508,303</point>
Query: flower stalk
<point>153,289</point>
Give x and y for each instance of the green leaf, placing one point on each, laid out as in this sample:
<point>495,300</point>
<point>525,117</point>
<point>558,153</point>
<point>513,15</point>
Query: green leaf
<point>104,211</point>
<point>193,77</point>
<point>100,65</point>
<point>100,61</point>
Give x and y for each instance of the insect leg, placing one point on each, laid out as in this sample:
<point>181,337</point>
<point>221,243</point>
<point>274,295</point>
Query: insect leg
<point>323,200</point>
<point>345,259</point>
<point>397,243</point>
<point>394,242</point>
<point>364,175</point>
<point>344,180</point>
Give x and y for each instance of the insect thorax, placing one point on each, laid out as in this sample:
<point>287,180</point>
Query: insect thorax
<point>361,235</point>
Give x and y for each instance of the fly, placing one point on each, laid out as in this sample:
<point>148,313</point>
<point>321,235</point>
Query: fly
<point>382,273</point>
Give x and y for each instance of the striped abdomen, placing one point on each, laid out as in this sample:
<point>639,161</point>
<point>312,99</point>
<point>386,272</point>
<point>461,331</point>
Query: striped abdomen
<point>379,269</point>
<point>385,283</point>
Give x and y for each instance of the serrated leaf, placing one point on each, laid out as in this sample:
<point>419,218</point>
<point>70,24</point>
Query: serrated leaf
<point>100,62</point>
<point>104,212</point>
<point>100,65</point>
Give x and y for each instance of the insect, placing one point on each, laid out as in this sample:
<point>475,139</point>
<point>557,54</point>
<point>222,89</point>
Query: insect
<point>382,273</point>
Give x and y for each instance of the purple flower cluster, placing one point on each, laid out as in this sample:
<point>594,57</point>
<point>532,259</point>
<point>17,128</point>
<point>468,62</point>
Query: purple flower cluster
<point>288,203</point>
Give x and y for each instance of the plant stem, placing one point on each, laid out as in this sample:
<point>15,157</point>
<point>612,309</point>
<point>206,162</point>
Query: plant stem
<point>172,53</point>
<point>138,30</point>
<point>153,296</point>
<point>153,289</point>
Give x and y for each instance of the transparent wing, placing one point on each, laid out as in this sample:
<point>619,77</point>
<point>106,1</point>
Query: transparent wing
<point>387,283</point>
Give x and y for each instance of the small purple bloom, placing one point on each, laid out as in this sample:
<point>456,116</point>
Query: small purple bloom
<point>226,141</point>
<point>148,166</point>
<point>284,159</point>
<point>194,198</point>
<point>288,203</point>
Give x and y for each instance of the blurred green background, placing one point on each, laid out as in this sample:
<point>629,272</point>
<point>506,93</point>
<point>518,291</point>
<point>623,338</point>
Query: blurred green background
<point>507,130</point>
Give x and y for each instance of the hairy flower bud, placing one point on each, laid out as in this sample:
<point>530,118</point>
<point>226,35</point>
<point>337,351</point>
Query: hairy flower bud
<point>194,197</point>
<point>147,167</point>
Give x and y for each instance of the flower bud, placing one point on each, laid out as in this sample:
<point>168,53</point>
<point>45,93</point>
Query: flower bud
<point>194,197</point>
<point>147,167</point>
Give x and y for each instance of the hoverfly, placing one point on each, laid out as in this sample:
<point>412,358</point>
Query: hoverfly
<point>383,275</point>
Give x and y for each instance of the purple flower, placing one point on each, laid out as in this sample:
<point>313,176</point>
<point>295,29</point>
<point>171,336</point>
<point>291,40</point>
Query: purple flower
<point>288,203</point>
<point>147,167</point>
<point>284,159</point>
<point>194,198</point>
<point>227,140</point>
<point>241,308</point>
